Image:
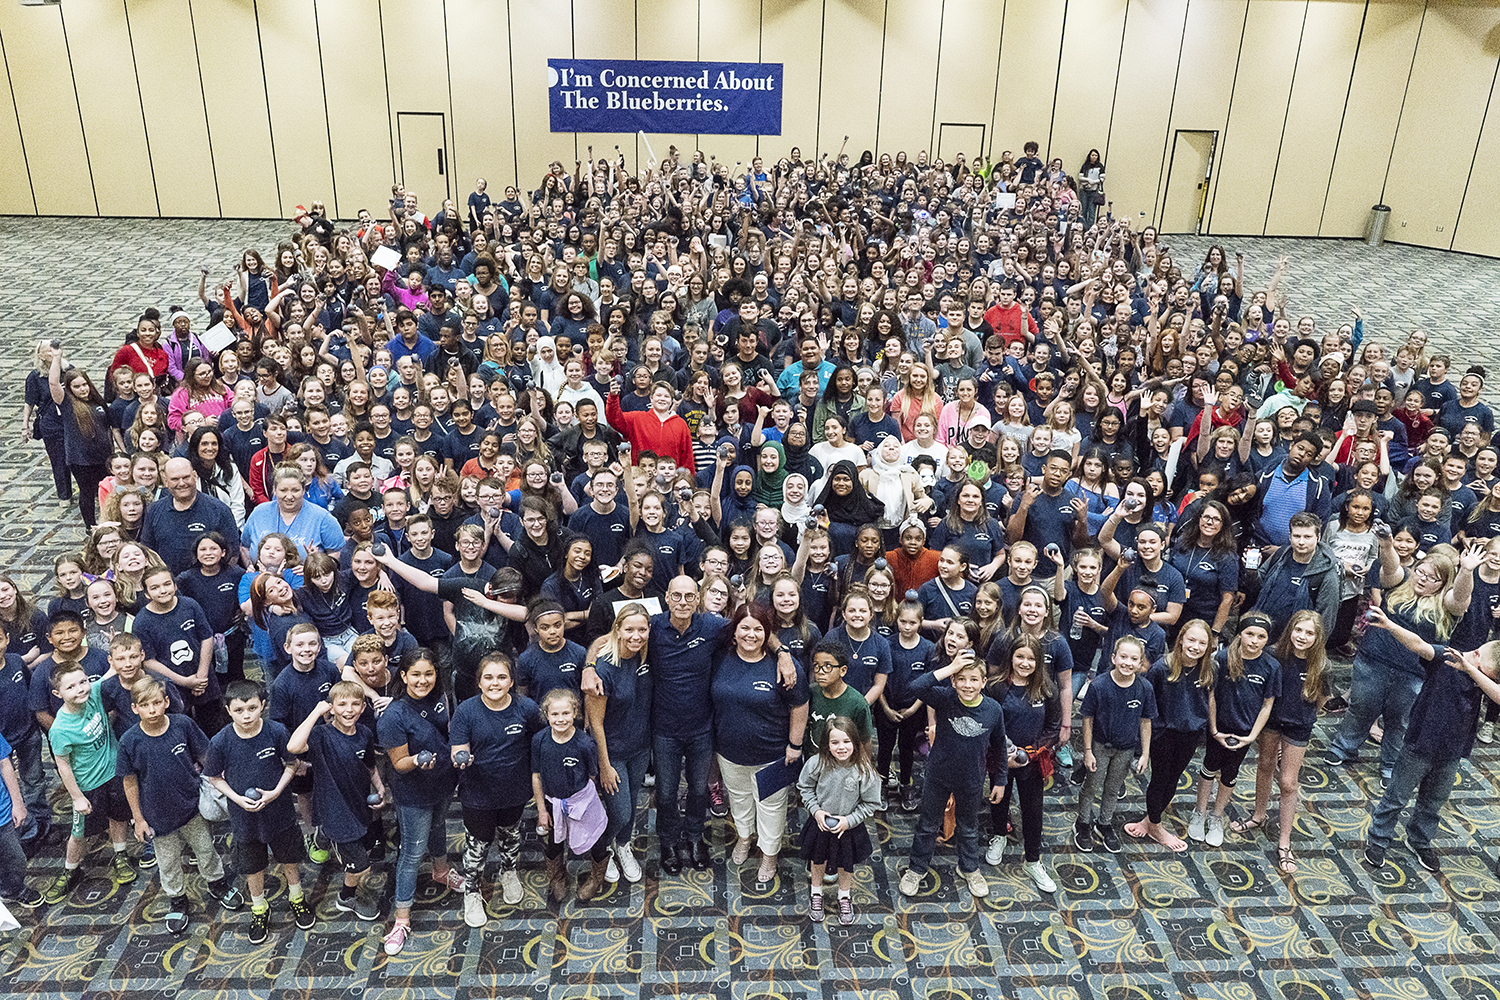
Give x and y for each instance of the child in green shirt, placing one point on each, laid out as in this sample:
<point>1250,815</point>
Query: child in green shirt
<point>831,697</point>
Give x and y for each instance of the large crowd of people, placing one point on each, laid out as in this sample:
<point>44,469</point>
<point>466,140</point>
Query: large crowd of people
<point>747,489</point>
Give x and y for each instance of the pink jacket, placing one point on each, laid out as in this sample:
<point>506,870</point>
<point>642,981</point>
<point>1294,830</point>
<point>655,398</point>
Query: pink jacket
<point>578,820</point>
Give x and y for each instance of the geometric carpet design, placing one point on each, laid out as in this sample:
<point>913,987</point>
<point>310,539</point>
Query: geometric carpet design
<point>1210,923</point>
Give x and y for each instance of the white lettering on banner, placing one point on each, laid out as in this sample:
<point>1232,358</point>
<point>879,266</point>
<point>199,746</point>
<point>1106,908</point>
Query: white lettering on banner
<point>617,100</point>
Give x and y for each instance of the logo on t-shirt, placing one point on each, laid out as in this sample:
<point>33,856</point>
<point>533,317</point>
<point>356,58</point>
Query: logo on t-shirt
<point>764,687</point>
<point>571,762</point>
<point>180,653</point>
<point>966,725</point>
<point>265,753</point>
<point>514,729</point>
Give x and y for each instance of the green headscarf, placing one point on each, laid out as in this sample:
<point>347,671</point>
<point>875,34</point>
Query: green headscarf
<point>769,486</point>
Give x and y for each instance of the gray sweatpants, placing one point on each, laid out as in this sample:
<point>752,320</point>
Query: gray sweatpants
<point>1113,767</point>
<point>193,835</point>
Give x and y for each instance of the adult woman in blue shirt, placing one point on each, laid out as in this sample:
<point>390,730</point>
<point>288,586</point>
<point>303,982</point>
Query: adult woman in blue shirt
<point>620,721</point>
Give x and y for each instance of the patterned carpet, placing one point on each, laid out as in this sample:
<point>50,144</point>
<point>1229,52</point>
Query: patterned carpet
<point>1212,923</point>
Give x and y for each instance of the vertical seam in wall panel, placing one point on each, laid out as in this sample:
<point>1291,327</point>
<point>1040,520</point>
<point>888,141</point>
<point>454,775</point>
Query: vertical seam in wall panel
<point>1483,121</point>
<point>885,23</point>
<point>333,174</point>
<point>572,51</point>
<point>1114,96</point>
<point>20,136</point>
<point>1062,37</point>
<point>1396,134</point>
<point>1159,203</point>
<point>265,82</point>
<point>208,130</point>
<point>1280,145</point>
<point>1343,115</point>
<point>452,121</point>
<point>510,65</point>
<point>760,55</point>
<point>818,114</point>
<point>390,112</point>
<point>995,105</point>
<point>135,68</point>
<point>82,132</point>
<point>932,140</point>
<point>1216,158</point>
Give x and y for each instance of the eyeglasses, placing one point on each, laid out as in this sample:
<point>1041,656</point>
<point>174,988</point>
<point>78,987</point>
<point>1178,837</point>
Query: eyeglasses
<point>824,668</point>
<point>682,597</point>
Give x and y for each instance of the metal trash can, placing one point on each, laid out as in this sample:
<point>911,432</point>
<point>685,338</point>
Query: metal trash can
<point>1380,218</point>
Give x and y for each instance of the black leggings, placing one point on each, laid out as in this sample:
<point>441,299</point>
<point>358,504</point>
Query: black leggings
<point>1027,782</point>
<point>1171,752</point>
<point>1343,625</point>
<point>58,459</point>
<point>907,734</point>
<point>89,477</point>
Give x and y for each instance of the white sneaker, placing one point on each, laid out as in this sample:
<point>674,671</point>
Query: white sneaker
<point>975,880</point>
<point>474,914</point>
<point>510,888</point>
<point>1040,876</point>
<point>1214,837</point>
<point>611,870</point>
<point>629,866</point>
<point>911,881</point>
<point>996,851</point>
<point>1196,825</point>
<point>1487,732</point>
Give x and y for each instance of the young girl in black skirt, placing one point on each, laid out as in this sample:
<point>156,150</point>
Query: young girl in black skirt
<point>841,790</point>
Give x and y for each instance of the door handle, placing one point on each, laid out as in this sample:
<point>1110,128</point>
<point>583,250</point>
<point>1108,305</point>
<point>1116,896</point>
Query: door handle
<point>440,162</point>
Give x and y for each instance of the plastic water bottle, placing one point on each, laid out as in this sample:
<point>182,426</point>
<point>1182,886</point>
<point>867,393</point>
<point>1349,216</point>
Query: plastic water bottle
<point>1076,631</point>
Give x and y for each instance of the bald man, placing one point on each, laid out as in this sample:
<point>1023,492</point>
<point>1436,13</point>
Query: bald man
<point>174,524</point>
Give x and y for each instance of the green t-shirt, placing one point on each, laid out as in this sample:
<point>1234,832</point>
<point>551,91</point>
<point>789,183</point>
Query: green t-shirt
<point>88,741</point>
<point>822,708</point>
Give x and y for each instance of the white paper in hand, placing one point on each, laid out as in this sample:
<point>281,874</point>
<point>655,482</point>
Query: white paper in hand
<point>385,257</point>
<point>217,337</point>
<point>1005,200</point>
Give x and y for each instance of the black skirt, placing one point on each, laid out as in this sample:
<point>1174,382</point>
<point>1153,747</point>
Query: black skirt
<point>838,853</point>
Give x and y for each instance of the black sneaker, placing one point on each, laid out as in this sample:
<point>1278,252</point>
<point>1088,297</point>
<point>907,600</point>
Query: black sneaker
<point>1374,858</point>
<point>177,916</point>
<point>228,896</point>
<point>1428,858</point>
<point>260,926</point>
<point>377,853</point>
<point>27,897</point>
<point>911,799</point>
<point>302,913</point>
<point>1083,837</point>
<point>1108,836</point>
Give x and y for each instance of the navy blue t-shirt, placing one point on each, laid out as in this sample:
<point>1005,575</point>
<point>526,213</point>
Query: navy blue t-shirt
<point>980,542</point>
<point>217,595</point>
<point>1025,717</point>
<point>1206,578</point>
<point>936,607</point>
<point>254,762</point>
<point>752,710</point>
<point>294,694</point>
<point>1290,712</point>
<point>1049,521</point>
<point>539,671</point>
<point>564,767</point>
<point>174,638</point>
<point>17,721</point>
<point>39,694</point>
<point>682,665</point>
<point>608,532</point>
<point>166,770</point>
<point>968,736</point>
<point>627,713</point>
<point>499,776</point>
<point>1238,703</point>
<point>906,666</point>
<point>419,724</point>
<point>424,611</point>
<point>1181,705</point>
<point>341,765</point>
<point>1165,584</point>
<point>817,597</point>
<point>1117,711</point>
<point>175,534</point>
<point>801,648</point>
<point>116,698</point>
<point>867,657</point>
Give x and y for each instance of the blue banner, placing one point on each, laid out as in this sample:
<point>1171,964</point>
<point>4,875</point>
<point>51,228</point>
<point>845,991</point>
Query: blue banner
<point>621,95</point>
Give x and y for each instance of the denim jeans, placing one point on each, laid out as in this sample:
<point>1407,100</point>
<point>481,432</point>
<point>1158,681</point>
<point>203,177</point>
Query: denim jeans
<point>935,792</point>
<point>621,806</point>
<point>1431,780</point>
<point>28,760</point>
<point>12,862</point>
<point>1376,690</point>
<point>420,826</point>
<point>678,758</point>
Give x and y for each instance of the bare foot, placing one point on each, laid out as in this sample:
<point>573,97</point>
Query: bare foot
<point>1157,832</point>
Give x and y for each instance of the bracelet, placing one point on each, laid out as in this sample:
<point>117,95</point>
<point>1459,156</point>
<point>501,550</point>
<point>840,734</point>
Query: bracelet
<point>793,746</point>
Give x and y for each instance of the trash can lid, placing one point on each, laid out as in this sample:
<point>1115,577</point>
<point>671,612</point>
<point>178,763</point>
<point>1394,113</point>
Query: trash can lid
<point>1380,208</point>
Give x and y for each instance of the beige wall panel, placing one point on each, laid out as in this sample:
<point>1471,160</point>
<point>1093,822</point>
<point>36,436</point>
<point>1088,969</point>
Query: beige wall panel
<point>1086,88</point>
<point>104,75</point>
<point>539,30</point>
<point>1134,157</point>
<point>238,118</point>
<point>480,64</point>
<point>730,32</point>
<point>295,91</point>
<point>668,29</point>
<point>602,30</point>
<point>907,92</point>
<point>1478,229</point>
<point>1450,84</point>
<point>358,121</point>
<point>851,93</point>
<point>792,34</point>
<point>416,72</point>
<point>1028,76</point>
<point>47,115</point>
<point>1205,72</point>
<point>172,95</point>
<point>1246,157</point>
<point>1329,40</point>
<point>15,179</point>
<point>1374,104</point>
<point>967,67</point>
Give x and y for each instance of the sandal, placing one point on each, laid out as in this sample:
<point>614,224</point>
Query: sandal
<point>1286,861</point>
<point>1247,825</point>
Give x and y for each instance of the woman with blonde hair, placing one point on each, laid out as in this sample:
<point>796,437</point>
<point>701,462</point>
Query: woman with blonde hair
<point>620,720</point>
<point>917,395</point>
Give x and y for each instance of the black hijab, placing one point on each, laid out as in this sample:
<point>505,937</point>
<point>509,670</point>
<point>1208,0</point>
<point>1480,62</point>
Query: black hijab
<point>858,507</point>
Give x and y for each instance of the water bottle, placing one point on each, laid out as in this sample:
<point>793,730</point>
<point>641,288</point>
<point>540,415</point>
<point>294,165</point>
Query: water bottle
<point>1075,631</point>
